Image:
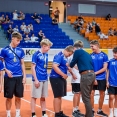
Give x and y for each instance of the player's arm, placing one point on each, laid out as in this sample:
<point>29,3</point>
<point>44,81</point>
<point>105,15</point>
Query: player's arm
<point>103,69</point>
<point>24,72</point>
<point>58,71</point>
<point>0,81</point>
<point>107,77</point>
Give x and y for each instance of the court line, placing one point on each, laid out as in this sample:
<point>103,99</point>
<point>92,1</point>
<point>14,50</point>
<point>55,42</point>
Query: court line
<point>36,105</point>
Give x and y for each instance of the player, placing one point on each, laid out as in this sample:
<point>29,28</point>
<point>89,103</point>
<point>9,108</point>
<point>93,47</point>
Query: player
<point>100,60</point>
<point>40,77</point>
<point>1,71</point>
<point>75,82</point>
<point>15,75</point>
<point>112,83</point>
<point>58,78</point>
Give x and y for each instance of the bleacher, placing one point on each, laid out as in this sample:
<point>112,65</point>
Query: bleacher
<point>104,25</point>
<point>52,32</point>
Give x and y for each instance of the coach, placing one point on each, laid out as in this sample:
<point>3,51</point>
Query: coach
<point>85,66</point>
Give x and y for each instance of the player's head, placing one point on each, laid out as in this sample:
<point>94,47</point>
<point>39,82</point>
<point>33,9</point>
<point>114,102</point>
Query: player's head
<point>94,45</point>
<point>16,38</point>
<point>68,51</point>
<point>45,45</point>
<point>115,52</point>
<point>78,44</point>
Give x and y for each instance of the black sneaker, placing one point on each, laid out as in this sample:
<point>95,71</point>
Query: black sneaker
<point>62,114</point>
<point>79,113</point>
<point>57,115</point>
<point>102,114</point>
<point>75,114</point>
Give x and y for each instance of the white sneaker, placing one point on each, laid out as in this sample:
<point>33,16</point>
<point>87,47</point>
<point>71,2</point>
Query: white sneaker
<point>115,112</point>
<point>34,116</point>
<point>45,115</point>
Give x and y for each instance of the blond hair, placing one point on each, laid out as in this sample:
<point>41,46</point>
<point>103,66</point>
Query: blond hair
<point>78,44</point>
<point>17,35</point>
<point>46,42</point>
<point>69,48</point>
<point>94,42</point>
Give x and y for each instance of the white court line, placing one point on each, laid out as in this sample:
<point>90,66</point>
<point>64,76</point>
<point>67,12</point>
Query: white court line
<point>37,105</point>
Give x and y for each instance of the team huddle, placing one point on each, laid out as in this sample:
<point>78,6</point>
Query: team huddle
<point>89,72</point>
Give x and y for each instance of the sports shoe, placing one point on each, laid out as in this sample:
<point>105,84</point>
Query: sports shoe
<point>93,113</point>
<point>79,113</point>
<point>75,114</point>
<point>102,114</point>
<point>34,116</point>
<point>57,115</point>
<point>45,115</point>
<point>62,114</point>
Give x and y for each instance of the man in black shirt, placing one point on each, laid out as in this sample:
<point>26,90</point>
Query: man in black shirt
<point>36,17</point>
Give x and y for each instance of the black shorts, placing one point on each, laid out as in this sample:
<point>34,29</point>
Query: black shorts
<point>112,90</point>
<point>56,16</point>
<point>13,86</point>
<point>75,88</point>
<point>101,85</point>
<point>59,87</point>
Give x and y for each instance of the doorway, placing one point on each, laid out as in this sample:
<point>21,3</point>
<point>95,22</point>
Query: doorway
<point>61,7</point>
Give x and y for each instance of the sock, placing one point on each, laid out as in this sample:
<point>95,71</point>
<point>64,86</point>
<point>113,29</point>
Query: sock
<point>8,113</point>
<point>33,114</point>
<point>111,112</point>
<point>75,109</point>
<point>17,112</point>
<point>92,109</point>
<point>115,112</point>
<point>43,112</point>
<point>99,110</point>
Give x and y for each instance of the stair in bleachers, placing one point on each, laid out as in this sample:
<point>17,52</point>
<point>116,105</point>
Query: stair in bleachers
<point>3,41</point>
<point>73,34</point>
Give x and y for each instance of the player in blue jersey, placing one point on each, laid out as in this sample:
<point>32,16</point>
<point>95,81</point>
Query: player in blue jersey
<point>58,78</point>
<point>100,60</point>
<point>15,75</point>
<point>112,83</point>
<point>1,69</point>
<point>40,77</point>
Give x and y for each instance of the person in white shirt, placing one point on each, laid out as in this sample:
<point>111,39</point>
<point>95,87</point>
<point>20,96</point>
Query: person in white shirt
<point>23,26</point>
<point>75,82</point>
<point>34,38</point>
<point>15,15</point>
<point>26,30</point>
<point>27,38</point>
<point>103,36</point>
<point>31,27</point>
<point>16,29</point>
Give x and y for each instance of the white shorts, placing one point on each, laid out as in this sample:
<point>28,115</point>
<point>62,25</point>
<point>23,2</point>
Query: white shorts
<point>41,91</point>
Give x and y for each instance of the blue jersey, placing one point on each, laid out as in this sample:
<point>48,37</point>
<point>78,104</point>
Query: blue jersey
<point>41,62</point>
<point>13,65</point>
<point>99,59</point>
<point>61,60</point>
<point>1,66</point>
<point>112,67</point>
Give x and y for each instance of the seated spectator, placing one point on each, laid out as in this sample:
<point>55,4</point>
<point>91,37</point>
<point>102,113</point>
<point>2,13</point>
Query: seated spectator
<point>9,31</point>
<point>78,27</point>
<point>27,38</point>
<point>16,29</point>
<point>54,21</point>
<point>110,32</point>
<point>103,36</point>
<point>23,26</point>
<point>26,30</point>
<point>89,26</point>
<point>34,38</point>
<point>30,27</point>
<point>108,17</point>
<point>7,20</point>
<point>40,35</point>
<point>75,23</point>
<point>115,32</point>
<point>2,19</point>
<point>15,15</point>
<point>97,29</point>
<point>36,18</point>
<point>93,22</point>
<point>80,17</point>
<point>21,16</point>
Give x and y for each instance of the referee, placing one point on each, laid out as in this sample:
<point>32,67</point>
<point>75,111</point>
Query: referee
<point>85,65</point>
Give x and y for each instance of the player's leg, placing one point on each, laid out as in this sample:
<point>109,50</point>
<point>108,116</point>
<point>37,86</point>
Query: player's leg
<point>42,99</point>
<point>18,105</point>
<point>115,104</point>
<point>36,93</point>
<point>8,106</point>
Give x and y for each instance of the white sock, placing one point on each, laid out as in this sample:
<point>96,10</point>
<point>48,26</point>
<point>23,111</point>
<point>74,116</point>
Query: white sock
<point>17,112</point>
<point>75,109</point>
<point>8,113</point>
<point>115,112</point>
<point>111,112</point>
<point>99,110</point>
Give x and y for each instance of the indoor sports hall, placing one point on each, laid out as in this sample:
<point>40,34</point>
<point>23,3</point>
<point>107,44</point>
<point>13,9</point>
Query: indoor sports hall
<point>84,20</point>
